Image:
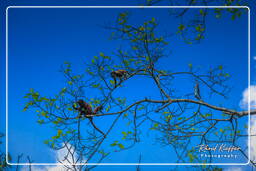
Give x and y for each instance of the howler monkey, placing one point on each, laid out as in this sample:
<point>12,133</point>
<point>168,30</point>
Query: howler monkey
<point>121,74</point>
<point>85,109</point>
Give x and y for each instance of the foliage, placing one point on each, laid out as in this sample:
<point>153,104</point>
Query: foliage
<point>180,121</point>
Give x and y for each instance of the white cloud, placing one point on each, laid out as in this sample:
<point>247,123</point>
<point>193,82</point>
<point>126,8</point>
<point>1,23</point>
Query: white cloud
<point>62,155</point>
<point>245,100</point>
<point>233,169</point>
<point>254,57</point>
<point>253,138</point>
<point>45,168</point>
<point>244,104</point>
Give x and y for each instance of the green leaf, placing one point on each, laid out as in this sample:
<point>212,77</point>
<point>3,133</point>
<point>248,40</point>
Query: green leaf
<point>125,115</point>
<point>220,67</point>
<point>199,36</point>
<point>27,96</point>
<point>126,62</point>
<point>121,146</point>
<point>46,142</point>
<point>155,125</point>
<point>128,123</point>
<point>107,57</point>
<point>142,28</point>
<point>107,108</point>
<point>40,121</point>
<point>59,132</point>
<point>96,101</point>
<point>224,114</point>
<point>35,96</point>
<point>75,77</point>
<point>202,12</point>
<point>102,54</point>
<point>43,99</point>
<point>112,82</point>
<point>67,71</point>
<point>55,122</point>
<point>208,114</point>
<point>135,48</point>
<point>168,118</point>
<point>233,17</point>
<point>181,27</point>
<point>191,157</point>
<point>141,108</point>
<point>102,152</point>
<point>124,133</point>
<point>226,75</point>
<point>43,113</point>
<point>63,90</point>
<point>114,143</point>
<point>25,108</point>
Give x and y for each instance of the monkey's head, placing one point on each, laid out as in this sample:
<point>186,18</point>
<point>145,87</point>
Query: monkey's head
<point>113,74</point>
<point>80,101</point>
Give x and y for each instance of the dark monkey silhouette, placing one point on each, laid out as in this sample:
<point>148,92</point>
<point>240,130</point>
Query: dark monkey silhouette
<point>121,74</point>
<point>85,110</point>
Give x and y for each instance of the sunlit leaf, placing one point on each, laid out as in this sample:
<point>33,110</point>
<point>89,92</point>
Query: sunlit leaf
<point>121,146</point>
<point>181,27</point>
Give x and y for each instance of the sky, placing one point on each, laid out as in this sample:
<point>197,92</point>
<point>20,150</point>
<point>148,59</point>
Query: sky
<point>40,40</point>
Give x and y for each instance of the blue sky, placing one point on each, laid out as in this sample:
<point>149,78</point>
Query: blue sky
<point>40,40</point>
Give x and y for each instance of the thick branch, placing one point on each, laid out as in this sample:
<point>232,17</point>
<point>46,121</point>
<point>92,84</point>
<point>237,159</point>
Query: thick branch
<point>168,102</point>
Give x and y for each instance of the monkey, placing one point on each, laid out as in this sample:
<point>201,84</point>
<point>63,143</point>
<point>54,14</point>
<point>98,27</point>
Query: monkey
<point>121,74</point>
<point>85,109</point>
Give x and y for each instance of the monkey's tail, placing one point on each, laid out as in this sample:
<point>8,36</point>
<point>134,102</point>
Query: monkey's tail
<point>96,127</point>
<point>115,82</point>
<point>78,129</point>
<point>97,109</point>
